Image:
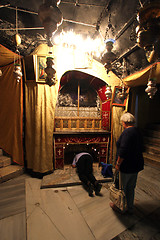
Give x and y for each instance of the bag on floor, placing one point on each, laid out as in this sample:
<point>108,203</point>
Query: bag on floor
<point>117,196</point>
<point>106,170</point>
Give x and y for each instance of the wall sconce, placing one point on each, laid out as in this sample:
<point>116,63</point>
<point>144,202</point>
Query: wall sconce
<point>1,73</point>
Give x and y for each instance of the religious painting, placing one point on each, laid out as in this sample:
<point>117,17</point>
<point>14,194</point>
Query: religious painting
<point>118,99</point>
<point>41,65</point>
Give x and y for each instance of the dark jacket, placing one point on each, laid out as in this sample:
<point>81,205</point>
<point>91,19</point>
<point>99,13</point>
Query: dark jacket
<point>130,147</point>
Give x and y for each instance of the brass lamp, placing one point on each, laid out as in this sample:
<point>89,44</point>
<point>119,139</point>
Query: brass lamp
<point>108,92</point>
<point>151,88</point>
<point>17,72</point>
<point>50,16</point>
<point>122,95</point>
<point>50,71</point>
<point>108,57</point>
<point>148,30</point>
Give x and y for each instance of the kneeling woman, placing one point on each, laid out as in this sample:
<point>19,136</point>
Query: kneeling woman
<point>84,163</point>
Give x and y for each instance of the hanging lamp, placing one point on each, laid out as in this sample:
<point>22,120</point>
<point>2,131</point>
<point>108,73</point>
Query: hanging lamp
<point>50,71</point>
<point>108,92</point>
<point>108,57</point>
<point>122,95</point>
<point>148,30</point>
<point>151,85</point>
<point>51,17</point>
<point>17,59</point>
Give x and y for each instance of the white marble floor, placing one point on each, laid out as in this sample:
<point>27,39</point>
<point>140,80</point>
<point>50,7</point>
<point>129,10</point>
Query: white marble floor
<point>69,213</point>
<point>13,209</point>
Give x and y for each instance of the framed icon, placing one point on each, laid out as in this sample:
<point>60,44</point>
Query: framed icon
<point>117,99</point>
<point>41,65</point>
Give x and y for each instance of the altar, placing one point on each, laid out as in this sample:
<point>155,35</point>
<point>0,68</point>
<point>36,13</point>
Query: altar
<point>66,144</point>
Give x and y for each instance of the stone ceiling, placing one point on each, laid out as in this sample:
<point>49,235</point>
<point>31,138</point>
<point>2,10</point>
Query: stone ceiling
<point>104,18</point>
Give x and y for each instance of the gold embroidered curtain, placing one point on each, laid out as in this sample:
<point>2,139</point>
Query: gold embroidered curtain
<point>40,101</point>
<point>11,115</point>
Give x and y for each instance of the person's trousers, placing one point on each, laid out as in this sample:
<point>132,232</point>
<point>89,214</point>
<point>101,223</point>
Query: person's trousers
<point>129,181</point>
<point>85,169</point>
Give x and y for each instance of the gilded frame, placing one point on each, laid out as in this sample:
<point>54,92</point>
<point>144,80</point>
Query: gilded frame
<point>115,100</point>
<point>40,67</point>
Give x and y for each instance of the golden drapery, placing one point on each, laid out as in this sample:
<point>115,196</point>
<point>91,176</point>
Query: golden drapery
<point>6,56</point>
<point>40,102</point>
<point>116,130</point>
<point>141,78</point>
<point>11,115</point>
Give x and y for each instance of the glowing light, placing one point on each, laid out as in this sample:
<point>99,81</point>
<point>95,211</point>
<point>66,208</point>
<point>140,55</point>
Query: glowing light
<point>72,40</point>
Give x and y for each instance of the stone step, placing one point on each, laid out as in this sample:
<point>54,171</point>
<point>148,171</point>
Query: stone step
<point>151,159</point>
<point>155,126</point>
<point>151,141</point>
<point>151,149</point>
<point>5,161</point>
<point>152,133</point>
<point>9,172</point>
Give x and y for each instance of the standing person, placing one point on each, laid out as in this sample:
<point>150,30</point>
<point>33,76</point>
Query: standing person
<point>129,158</point>
<point>84,163</point>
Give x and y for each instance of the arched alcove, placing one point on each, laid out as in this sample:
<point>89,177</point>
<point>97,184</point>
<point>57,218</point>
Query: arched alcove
<point>80,103</point>
<point>82,118</point>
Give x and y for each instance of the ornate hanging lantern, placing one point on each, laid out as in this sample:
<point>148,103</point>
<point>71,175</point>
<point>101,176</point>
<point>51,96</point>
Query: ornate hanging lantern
<point>151,85</point>
<point>148,30</point>
<point>151,88</point>
<point>17,72</point>
<point>51,17</point>
<point>108,92</point>
<point>50,71</point>
<point>108,57</point>
<point>122,95</point>
<point>17,60</point>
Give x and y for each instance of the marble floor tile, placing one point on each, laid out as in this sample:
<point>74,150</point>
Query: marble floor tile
<point>101,219</point>
<point>53,213</point>
<point>13,227</point>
